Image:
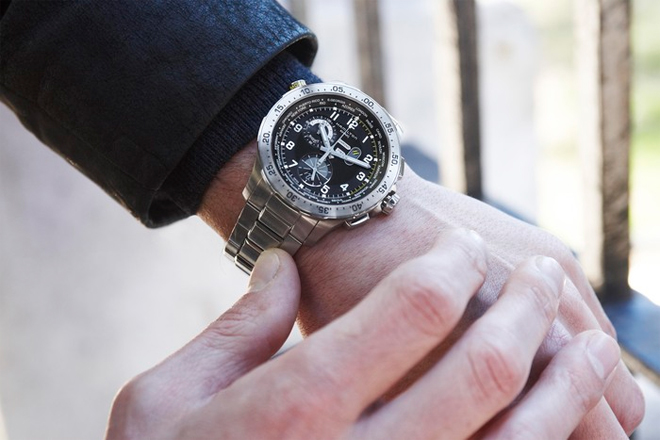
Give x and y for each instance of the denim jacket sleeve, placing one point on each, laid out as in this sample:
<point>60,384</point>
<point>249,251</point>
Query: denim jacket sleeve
<point>123,89</point>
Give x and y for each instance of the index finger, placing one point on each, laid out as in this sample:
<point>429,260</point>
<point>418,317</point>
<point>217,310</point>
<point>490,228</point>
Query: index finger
<point>357,358</point>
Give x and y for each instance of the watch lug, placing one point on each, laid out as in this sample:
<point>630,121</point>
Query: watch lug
<point>321,229</point>
<point>397,124</point>
<point>256,178</point>
<point>354,222</point>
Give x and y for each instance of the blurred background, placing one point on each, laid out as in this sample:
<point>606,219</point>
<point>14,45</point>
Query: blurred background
<point>89,298</point>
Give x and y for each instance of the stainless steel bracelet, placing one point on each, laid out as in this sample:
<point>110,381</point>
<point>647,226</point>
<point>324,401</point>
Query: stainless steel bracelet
<point>265,222</point>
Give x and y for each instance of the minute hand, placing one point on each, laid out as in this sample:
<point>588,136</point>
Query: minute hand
<point>346,157</point>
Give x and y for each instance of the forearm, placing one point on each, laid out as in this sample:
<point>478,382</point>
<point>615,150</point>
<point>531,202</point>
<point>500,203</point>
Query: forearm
<point>125,90</point>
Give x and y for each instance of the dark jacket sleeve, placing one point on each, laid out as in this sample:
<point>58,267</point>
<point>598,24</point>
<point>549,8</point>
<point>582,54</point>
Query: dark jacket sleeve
<point>123,89</point>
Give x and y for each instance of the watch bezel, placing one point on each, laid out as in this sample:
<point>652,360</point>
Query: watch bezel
<point>356,208</point>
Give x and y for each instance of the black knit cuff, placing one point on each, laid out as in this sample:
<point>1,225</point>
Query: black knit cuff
<point>234,127</point>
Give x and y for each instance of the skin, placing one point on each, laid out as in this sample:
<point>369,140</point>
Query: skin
<point>336,273</point>
<point>223,385</point>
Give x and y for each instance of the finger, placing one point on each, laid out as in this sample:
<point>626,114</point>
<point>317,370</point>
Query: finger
<point>624,396</point>
<point>355,359</point>
<point>579,279</point>
<point>623,392</point>
<point>599,423</point>
<point>486,368</point>
<point>569,388</point>
<point>245,336</point>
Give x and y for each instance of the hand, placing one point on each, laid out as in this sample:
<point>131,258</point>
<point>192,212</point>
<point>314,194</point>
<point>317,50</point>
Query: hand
<point>423,213</point>
<point>346,157</point>
<point>222,384</point>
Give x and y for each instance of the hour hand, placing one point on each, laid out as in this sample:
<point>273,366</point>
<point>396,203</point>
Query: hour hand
<point>324,137</point>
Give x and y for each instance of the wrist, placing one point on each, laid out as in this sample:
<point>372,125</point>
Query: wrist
<point>223,200</point>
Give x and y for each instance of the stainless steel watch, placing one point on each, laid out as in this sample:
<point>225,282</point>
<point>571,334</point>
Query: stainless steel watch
<point>328,155</point>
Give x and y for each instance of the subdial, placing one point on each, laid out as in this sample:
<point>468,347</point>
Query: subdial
<point>355,152</point>
<point>313,131</point>
<point>313,172</point>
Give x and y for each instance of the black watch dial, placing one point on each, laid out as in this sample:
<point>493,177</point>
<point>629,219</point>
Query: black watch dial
<point>330,149</point>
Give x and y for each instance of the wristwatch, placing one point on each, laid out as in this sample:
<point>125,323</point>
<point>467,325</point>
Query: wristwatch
<point>328,155</point>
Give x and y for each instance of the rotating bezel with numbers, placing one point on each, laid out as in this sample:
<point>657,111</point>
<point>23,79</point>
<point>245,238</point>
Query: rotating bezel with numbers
<point>330,150</point>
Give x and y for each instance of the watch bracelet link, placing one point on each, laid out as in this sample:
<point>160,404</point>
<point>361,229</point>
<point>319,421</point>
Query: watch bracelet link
<point>265,222</point>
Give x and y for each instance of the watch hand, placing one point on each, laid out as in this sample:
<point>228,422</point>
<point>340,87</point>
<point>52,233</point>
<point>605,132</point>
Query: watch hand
<point>324,137</point>
<point>346,157</point>
<point>344,144</point>
<point>314,170</point>
<point>328,149</point>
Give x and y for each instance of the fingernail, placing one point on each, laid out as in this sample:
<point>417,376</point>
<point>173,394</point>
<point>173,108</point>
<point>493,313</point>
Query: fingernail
<point>480,255</point>
<point>552,272</point>
<point>264,271</point>
<point>603,353</point>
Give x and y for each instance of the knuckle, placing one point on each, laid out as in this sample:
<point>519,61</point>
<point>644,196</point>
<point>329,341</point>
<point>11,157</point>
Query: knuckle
<point>124,398</point>
<point>584,392</point>
<point>134,398</point>
<point>544,303</point>
<point>497,370</point>
<point>307,398</point>
<point>560,252</point>
<point>289,408</point>
<point>284,403</point>
<point>282,417</point>
<point>537,294</point>
<point>427,303</point>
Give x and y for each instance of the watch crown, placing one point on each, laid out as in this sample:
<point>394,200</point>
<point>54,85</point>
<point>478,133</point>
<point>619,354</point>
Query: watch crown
<point>389,202</point>
<point>296,84</point>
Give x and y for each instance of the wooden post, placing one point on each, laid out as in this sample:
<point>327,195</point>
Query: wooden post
<point>461,150</point>
<point>603,61</point>
<point>460,158</point>
<point>370,56</point>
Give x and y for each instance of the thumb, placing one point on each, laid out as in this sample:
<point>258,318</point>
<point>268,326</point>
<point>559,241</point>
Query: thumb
<point>257,326</point>
<point>246,335</point>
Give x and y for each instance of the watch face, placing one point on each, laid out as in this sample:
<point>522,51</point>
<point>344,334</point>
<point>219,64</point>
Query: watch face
<point>330,150</point>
